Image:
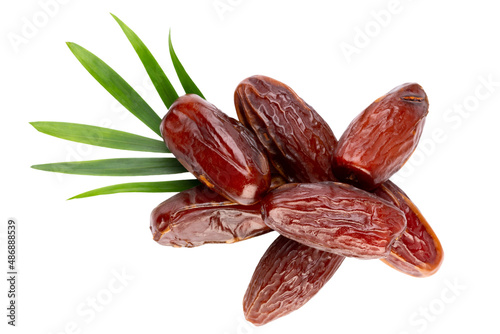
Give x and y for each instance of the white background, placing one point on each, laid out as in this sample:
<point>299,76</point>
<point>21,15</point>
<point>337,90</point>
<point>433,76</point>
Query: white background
<point>71,251</point>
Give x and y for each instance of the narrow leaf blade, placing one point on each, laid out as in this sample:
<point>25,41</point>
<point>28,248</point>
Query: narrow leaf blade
<point>186,81</point>
<point>155,72</point>
<point>117,87</point>
<point>98,136</point>
<point>150,187</point>
<point>116,167</point>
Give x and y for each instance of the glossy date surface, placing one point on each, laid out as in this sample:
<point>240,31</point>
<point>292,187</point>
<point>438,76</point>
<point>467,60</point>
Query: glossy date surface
<point>245,168</point>
<point>199,215</point>
<point>380,139</point>
<point>287,276</point>
<point>418,251</point>
<point>298,141</point>
<point>334,217</point>
<point>217,149</point>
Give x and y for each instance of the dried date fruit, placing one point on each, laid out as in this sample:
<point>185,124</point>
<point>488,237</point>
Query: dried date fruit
<point>380,139</point>
<point>287,276</point>
<point>334,217</point>
<point>276,181</point>
<point>217,149</point>
<point>418,251</point>
<point>298,141</point>
<point>199,215</point>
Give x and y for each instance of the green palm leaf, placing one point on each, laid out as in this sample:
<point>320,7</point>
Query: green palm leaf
<point>165,186</point>
<point>155,72</point>
<point>132,101</point>
<point>97,136</point>
<point>188,84</point>
<point>116,167</point>
<point>117,87</point>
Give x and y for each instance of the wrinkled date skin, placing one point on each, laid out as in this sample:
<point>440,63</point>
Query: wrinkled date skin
<point>380,139</point>
<point>217,149</point>
<point>287,276</point>
<point>299,143</point>
<point>199,215</point>
<point>334,217</point>
<point>276,181</point>
<point>418,251</point>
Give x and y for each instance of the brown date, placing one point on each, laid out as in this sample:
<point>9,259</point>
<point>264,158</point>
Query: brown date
<point>287,276</point>
<point>334,217</point>
<point>217,149</point>
<point>380,139</point>
<point>199,215</point>
<point>298,141</point>
<point>418,251</point>
<point>276,181</point>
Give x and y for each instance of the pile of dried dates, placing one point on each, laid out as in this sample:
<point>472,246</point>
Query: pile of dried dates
<point>281,168</point>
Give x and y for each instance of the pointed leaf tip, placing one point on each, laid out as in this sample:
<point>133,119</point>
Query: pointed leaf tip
<point>156,74</point>
<point>186,81</point>
<point>150,187</point>
<point>117,87</point>
<point>99,136</point>
<point>116,167</point>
